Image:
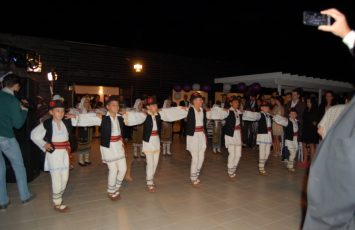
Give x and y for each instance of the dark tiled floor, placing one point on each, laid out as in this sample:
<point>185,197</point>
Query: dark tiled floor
<point>252,202</point>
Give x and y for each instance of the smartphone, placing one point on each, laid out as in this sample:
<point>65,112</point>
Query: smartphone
<point>315,19</point>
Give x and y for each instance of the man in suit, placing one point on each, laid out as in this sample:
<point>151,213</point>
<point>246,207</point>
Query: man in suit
<point>224,102</point>
<point>251,103</point>
<point>296,104</point>
<point>184,103</point>
<point>299,106</point>
<point>331,184</point>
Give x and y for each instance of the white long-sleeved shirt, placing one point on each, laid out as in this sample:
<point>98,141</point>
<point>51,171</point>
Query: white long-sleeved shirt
<point>255,116</point>
<point>349,39</point>
<point>283,121</point>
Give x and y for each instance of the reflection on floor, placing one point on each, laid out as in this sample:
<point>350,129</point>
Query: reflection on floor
<point>251,202</point>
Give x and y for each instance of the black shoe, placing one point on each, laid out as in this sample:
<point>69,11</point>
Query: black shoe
<point>82,164</point>
<point>33,195</point>
<point>5,206</point>
<point>88,162</point>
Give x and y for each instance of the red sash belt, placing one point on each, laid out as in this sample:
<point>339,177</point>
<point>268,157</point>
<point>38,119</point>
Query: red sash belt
<point>199,129</point>
<point>62,145</point>
<point>154,133</point>
<point>269,129</point>
<point>295,134</point>
<point>115,138</point>
<point>237,127</point>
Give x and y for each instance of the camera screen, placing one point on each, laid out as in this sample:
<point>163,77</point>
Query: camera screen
<point>315,19</point>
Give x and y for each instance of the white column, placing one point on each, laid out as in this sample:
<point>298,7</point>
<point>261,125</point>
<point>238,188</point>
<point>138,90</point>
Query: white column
<point>279,89</point>
<point>319,96</point>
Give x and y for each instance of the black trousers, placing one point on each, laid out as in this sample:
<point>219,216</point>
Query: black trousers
<point>182,128</point>
<point>249,133</point>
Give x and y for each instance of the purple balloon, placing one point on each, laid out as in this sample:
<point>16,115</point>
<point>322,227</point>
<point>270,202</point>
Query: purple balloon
<point>177,88</point>
<point>256,87</point>
<point>206,88</point>
<point>249,92</point>
<point>187,88</point>
<point>241,87</point>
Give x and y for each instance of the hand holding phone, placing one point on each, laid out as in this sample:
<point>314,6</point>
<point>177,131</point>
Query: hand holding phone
<point>340,27</point>
<point>315,19</point>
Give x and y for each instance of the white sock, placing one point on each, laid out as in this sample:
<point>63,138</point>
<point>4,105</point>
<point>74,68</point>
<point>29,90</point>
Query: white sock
<point>168,149</point>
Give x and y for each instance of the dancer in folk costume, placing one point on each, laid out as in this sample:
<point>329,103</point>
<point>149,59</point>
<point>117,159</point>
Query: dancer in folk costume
<point>53,136</point>
<point>196,139</point>
<point>264,136</point>
<point>111,143</point>
<point>166,132</point>
<point>137,134</point>
<point>233,137</point>
<point>151,131</point>
<point>84,134</point>
<point>291,132</point>
<point>233,140</point>
<point>73,141</point>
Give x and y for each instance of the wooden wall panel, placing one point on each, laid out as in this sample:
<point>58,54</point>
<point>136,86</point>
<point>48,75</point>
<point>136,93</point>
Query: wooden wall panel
<point>91,64</point>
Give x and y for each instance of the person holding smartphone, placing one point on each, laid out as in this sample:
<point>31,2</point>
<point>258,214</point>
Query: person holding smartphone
<point>331,184</point>
<point>340,28</point>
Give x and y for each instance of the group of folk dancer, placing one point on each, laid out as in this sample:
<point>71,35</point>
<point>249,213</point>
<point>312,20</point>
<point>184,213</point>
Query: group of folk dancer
<point>53,136</point>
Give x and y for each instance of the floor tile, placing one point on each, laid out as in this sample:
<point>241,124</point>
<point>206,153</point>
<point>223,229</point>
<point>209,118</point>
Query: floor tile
<point>250,202</point>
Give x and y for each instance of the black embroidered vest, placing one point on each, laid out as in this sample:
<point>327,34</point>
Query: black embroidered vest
<point>191,122</point>
<point>106,127</point>
<point>148,126</point>
<point>47,124</point>
<point>289,130</point>
<point>262,124</point>
<point>231,121</point>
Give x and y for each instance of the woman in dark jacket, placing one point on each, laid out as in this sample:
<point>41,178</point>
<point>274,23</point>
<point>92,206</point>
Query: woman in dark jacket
<point>309,129</point>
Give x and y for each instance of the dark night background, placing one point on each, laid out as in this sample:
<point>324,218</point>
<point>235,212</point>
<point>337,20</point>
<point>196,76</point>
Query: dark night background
<point>259,36</point>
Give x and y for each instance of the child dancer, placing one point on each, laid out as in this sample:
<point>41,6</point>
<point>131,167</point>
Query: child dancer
<point>196,132</point>
<point>111,143</point>
<point>232,130</point>
<point>151,132</point>
<point>233,139</point>
<point>264,136</point>
<point>71,157</point>
<point>291,127</point>
<point>53,136</point>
